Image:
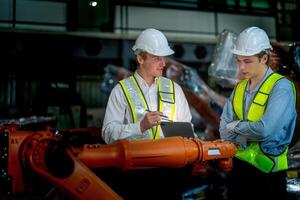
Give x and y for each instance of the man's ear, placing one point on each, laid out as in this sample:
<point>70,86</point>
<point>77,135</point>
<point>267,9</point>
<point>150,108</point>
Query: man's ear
<point>264,58</point>
<point>140,59</point>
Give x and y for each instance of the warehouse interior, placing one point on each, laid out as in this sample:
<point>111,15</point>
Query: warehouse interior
<point>60,59</point>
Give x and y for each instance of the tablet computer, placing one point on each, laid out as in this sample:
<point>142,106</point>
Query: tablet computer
<point>183,129</point>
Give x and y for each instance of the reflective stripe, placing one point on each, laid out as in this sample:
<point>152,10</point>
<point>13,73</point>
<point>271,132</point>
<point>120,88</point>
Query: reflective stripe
<point>138,104</point>
<point>295,92</point>
<point>258,106</point>
<point>253,153</point>
<point>141,94</point>
<point>173,99</point>
<point>132,110</point>
<point>238,103</point>
<point>166,97</point>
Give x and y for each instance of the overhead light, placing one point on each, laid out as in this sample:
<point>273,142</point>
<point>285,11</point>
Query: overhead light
<point>93,3</point>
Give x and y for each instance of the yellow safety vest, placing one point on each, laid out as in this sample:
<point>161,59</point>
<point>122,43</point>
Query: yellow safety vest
<point>138,104</point>
<point>253,154</point>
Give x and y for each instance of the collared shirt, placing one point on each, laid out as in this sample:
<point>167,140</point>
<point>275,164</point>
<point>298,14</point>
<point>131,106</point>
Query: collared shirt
<point>117,116</point>
<point>276,127</point>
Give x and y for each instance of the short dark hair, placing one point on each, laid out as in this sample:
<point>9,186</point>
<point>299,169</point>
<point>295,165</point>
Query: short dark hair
<point>264,52</point>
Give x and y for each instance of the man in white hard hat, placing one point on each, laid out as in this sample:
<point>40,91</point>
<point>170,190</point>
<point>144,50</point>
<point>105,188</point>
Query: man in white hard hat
<point>136,107</point>
<point>138,104</point>
<point>260,118</point>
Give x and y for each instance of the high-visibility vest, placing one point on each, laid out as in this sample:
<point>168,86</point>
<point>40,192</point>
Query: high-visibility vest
<point>253,154</point>
<point>138,104</point>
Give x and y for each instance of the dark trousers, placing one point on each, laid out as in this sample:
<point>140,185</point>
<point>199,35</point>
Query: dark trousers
<point>147,184</point>
<point>247,182</point>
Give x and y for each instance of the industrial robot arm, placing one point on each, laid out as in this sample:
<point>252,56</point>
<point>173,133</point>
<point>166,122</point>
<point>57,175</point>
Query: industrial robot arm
<point>67,167</point>
<point>173,152</point>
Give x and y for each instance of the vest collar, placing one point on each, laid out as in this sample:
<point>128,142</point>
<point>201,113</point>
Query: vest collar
<point>268,72</point>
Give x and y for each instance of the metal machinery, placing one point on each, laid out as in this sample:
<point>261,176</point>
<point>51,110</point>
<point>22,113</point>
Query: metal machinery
<point>30,159</point>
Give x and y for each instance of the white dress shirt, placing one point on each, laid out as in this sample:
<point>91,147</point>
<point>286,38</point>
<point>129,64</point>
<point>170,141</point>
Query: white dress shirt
<point>117,116</point>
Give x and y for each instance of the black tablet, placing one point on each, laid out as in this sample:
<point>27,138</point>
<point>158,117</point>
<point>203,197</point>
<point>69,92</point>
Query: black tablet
<point>183,129</point>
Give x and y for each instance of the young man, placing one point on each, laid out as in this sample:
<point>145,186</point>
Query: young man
<point>137,104</point>
<point>136,107</point>
<point>260,118</point>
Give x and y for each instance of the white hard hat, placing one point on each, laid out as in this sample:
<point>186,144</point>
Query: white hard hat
<point>251,41</point>
<point>153,42</point>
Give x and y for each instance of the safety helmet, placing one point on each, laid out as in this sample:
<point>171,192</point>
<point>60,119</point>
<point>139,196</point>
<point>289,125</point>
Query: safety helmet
<point>251,41</point>
<point>153,42</point>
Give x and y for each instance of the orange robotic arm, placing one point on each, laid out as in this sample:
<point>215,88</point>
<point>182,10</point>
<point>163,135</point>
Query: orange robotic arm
<point>67,167</point>
<point>171,152</point>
